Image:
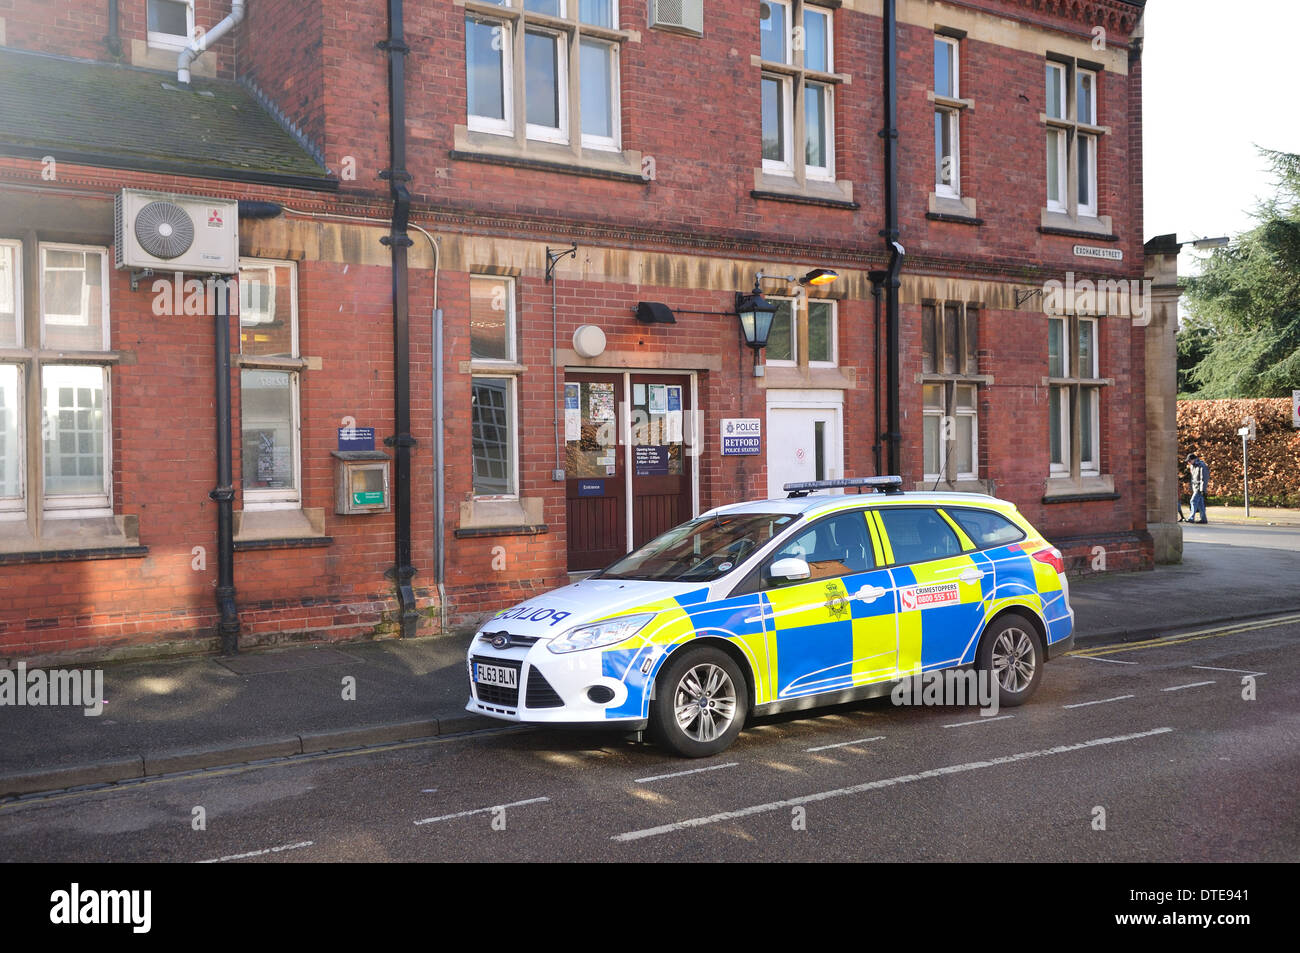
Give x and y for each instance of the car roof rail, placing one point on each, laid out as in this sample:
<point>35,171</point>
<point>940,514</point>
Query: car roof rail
<point>881,484</point>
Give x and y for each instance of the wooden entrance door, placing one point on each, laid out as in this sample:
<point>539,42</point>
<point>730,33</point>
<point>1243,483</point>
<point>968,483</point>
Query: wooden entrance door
<point>661,472</point>
<point>594,470</point>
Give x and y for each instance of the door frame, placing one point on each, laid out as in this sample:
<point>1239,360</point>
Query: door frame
<point>692,430</point>
<point>807,399</point>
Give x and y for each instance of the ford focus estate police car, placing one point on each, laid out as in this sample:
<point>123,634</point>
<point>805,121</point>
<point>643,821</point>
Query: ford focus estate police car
<point>760,607</point>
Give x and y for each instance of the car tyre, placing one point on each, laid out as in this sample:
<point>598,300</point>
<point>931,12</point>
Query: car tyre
<point>701,701</point>
<point>1012,651</point>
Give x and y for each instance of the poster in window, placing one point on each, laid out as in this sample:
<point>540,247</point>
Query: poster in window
<point>572,412</point>
<point>658,398</point>
<point>601,401</point>
<point>673,423</point>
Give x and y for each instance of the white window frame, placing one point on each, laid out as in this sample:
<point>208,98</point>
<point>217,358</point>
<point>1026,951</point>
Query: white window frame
<point>505,125</point>
<point>15,288</point>
<point>512,344</point>
<point>794,80</point>
<point>1070,385</point>
<point>1085,142</point>
<point>793,360</point>
<point>56,506</point>
<point>951,117</point>
<point>606,143</point>
<point>170,41</point>
<point>568,31</point>
<point>825,173</point>
<point>973,413</point>
<point>784,165</point>
<point>1077,135</point>
<point>512,477</point>
<point>827,14</point>
<point>834,330</point>
<point>277,498</point>
<point>789,30</point>
<point>89,504</point>
<point>15,507</point>
<point>551,133</point>
<point>80,319</point>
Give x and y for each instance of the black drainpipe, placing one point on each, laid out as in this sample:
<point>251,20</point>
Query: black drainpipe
<point>224,492</point>
<point>890,231</point>
<point>877,279</point>
<point>114,39</point>
<point>398,241</point>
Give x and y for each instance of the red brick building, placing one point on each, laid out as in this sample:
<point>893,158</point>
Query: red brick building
<point>632,160</point>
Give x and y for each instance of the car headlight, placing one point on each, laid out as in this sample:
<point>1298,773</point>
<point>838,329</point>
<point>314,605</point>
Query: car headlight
<point>600,634</point>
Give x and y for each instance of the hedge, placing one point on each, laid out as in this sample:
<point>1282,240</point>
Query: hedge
<point>1210,428</point>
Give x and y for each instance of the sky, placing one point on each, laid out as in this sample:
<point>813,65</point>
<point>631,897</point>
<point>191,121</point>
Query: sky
<point>1218,80</point>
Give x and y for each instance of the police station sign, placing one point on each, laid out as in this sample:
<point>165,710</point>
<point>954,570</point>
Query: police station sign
<point>741,436</point>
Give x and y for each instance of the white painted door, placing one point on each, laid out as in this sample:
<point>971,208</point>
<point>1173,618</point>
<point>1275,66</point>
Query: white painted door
<point>803,443</point>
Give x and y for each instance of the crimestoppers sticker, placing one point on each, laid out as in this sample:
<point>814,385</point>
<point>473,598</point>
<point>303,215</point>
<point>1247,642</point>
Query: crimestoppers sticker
<point>924,597</point>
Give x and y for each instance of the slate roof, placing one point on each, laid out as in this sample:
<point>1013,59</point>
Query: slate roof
<point>120,117</point>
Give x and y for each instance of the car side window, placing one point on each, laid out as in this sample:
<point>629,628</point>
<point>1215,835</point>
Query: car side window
<point>918,534</point>
<point>986,528</point>
<point>836,546</point>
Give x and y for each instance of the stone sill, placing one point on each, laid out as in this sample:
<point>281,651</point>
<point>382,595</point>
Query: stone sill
<point>74,555</point>
<point>481,531</point>
<point>302,542</point>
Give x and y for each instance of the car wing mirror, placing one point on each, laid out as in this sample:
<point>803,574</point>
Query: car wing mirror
<point>789,569</point>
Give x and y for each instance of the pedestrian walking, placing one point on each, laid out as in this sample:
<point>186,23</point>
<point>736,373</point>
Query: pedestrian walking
<point>1200,474</point>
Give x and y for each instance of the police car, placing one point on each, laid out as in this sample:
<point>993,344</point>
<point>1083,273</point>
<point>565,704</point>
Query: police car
<point>761,607</point>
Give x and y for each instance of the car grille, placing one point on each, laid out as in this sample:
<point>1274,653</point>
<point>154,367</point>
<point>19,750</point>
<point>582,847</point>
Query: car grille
<point>540,693</point>
<point>511,640</point>
<point>496,694</point>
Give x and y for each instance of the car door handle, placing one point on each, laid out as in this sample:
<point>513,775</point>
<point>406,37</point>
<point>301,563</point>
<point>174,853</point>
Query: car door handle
<point>971,574</point>
<point>869,594</point>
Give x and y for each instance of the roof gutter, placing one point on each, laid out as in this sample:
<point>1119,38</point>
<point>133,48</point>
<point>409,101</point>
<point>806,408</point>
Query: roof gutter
<point>200,44</point>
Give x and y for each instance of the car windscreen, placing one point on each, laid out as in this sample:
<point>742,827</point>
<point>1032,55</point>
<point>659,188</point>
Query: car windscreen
<point>701,550</point>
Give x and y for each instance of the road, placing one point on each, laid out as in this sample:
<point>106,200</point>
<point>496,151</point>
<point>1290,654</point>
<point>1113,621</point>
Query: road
<point>1139,752</point>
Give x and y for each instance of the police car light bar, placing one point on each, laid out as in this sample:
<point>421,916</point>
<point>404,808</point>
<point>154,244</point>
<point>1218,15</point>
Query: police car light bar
<point>881,484</point>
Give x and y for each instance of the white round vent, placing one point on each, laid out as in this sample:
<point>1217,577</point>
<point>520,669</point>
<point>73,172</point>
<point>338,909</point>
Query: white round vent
<point>164,230</point>
<point>589,341</point>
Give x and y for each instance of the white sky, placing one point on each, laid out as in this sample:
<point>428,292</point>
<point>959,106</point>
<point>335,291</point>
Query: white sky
<point>1218,79</point>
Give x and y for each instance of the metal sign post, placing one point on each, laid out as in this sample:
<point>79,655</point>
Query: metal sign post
<point>1246,434</point>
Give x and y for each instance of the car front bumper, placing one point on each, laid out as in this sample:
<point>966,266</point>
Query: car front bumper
<point>590,688</point>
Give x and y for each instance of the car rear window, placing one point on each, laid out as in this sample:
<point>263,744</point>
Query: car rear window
<point>986,528</point>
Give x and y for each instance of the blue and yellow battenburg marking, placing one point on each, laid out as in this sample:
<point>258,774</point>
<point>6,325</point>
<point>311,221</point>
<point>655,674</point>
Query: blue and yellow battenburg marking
<point>851,630</point>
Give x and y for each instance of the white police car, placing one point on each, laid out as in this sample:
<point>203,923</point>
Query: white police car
<point>782,604</point>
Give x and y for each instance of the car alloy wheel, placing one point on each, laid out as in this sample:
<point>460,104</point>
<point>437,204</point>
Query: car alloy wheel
<point>704,702</point>
<point>1011,652</point>
<point>1014,659</point>
<point>701,700</point>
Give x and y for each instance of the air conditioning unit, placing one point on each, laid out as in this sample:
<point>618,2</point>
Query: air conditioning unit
<point>686,16</point>
<point>186,233</point>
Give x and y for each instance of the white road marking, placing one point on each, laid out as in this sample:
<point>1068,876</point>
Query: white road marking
<point>1113,661</point>
<point>845,744</point>
<point>1100,701</point>
<point>977,721</point>
<point>1239,671</point>
<point>258,853</point>
<point>481,810</point>
<point>884,783</point>
<point>678,774</point>
<point>1177,688</point>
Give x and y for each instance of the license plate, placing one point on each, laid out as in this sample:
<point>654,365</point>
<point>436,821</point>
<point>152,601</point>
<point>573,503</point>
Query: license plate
<point>496,675</point>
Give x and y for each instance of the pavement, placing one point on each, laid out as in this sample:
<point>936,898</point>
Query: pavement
<point>172,716</point>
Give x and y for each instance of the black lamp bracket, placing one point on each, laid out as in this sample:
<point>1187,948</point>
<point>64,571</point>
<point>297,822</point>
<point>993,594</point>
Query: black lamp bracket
<point>552,257</point>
